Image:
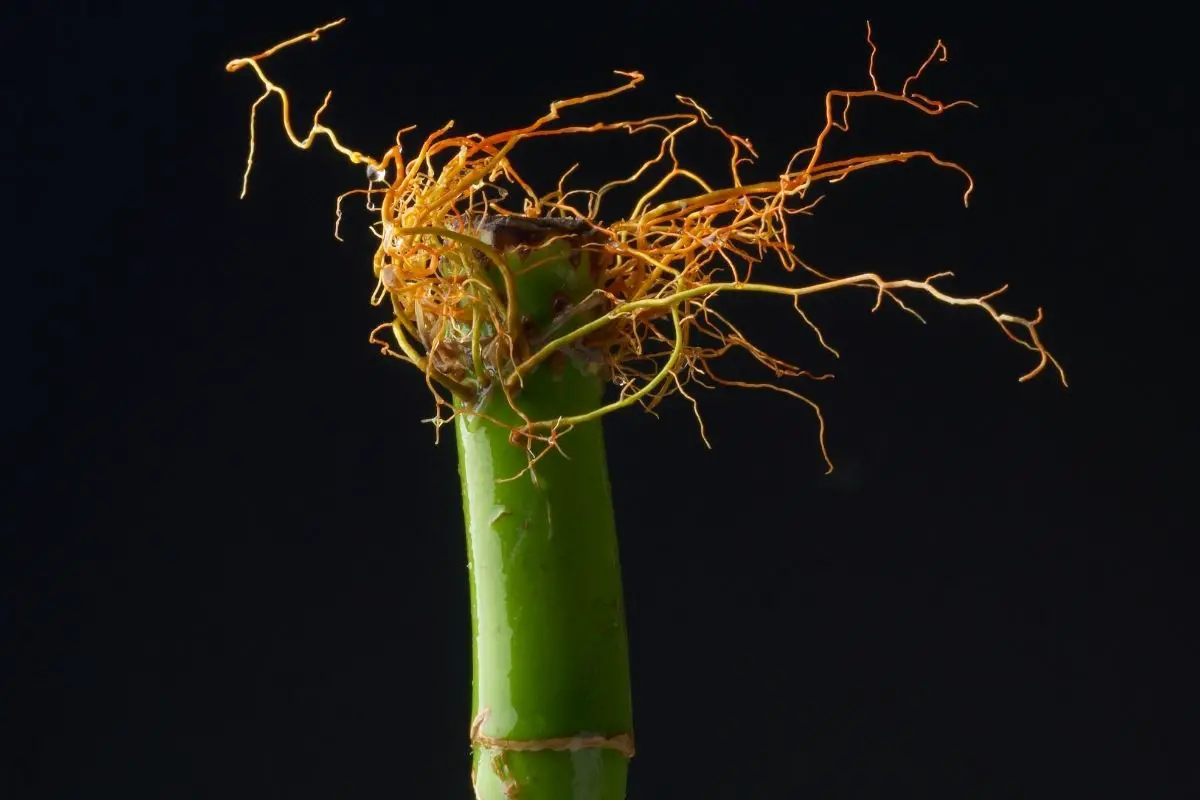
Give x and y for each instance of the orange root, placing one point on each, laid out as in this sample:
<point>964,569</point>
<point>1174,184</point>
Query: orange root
<point>664,261</point>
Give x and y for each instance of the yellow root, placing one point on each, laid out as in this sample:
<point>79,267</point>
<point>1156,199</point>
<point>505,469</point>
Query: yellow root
<point>665,260</point>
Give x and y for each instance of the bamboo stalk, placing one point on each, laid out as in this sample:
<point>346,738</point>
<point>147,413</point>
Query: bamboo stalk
<point>503,311</point>
<point>551,715</point>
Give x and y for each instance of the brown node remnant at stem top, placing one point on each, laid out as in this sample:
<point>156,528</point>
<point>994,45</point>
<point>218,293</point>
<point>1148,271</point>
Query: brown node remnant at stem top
<point>650,325</point>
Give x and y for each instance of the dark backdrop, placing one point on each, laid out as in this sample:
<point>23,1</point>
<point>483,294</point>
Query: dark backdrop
<point>234,557</point>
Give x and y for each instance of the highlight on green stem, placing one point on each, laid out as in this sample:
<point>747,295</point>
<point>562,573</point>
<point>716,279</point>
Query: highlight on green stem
<point>519,305</point>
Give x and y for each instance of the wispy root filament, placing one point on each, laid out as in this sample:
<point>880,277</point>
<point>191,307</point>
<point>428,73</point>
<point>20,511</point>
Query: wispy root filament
<point>666,260</point>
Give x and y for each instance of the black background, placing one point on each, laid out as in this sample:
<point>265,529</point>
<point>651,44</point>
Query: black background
<point>234,558</point>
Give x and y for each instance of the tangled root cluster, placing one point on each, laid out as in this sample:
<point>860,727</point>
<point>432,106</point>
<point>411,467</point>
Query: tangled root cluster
<point>448,227</point>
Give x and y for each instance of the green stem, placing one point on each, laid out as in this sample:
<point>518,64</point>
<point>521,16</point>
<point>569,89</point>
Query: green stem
<point>552,716</point>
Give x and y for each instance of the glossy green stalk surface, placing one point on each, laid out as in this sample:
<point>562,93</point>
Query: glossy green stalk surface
<point>552,715</point>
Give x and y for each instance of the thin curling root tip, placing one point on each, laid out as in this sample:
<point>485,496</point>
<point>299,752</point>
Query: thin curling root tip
<point>312,36</point>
